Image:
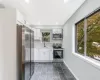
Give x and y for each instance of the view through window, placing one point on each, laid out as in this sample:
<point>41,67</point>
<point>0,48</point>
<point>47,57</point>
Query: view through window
<point>88,36</point>
<point>80,37</point>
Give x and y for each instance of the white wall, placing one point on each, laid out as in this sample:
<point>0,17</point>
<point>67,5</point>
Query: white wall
<point>8,44</point>
<point>82,69</point>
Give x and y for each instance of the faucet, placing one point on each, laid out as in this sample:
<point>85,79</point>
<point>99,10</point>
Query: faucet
<point>44,44</point>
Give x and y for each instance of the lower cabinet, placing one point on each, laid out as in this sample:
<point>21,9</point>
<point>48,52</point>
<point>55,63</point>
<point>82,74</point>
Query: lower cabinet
<point>36,55</point>
<point>43,55</point>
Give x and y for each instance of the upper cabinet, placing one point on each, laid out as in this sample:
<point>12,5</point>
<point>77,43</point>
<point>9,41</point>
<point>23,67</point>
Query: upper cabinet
<point>37,34</point>
<point>20,17</point>
<point>57,31</point>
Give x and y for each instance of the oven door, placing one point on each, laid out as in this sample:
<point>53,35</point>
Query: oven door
<point>58,54</point>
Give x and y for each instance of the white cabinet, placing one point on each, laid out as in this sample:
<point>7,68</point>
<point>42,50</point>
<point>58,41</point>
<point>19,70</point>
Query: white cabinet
<point>57,31</point>
<point>36,54</point>
<point>51,55</point>
<point>43,55</point>
<point>20,17</point>
<point>37,34</point>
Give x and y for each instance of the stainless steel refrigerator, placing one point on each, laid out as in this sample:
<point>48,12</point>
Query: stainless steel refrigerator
<point>25,50</point>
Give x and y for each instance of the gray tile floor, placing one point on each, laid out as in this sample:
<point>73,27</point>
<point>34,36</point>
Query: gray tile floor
<point>29,70</point>
<point>51,71</point>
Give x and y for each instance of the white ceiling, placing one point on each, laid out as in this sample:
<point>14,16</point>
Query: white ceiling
<point>46,12</point>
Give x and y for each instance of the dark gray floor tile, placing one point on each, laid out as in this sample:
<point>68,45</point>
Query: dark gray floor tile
<point>67,73</point>
<point>51,71</point>
<point>27,71</point>
<point>71,79</point>
<point>62,76</point>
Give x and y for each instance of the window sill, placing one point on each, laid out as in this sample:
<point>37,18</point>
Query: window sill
<point>89,60</point>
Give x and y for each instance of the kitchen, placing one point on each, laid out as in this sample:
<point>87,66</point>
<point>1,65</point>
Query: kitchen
<point>49,40</point>
<point>48,44</point>
<point>47,50</point>
<point>37,51</point>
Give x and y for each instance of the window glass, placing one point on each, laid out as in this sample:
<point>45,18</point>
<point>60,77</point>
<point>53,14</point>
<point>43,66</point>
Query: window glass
<point>80,37</point>
<point>93,36</point>
<point>46,36</point>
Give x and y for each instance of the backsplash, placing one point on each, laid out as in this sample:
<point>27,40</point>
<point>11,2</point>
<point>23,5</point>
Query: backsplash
<point>39,44</point>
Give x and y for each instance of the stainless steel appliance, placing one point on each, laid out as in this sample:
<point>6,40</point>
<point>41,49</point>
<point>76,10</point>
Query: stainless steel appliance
<point>57,51</point>
<point>25,43</point>
<point>58,36</point>
<point>58,54</point>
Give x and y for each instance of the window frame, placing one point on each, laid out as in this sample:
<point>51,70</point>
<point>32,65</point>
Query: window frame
<point>76,41</point>
<point>95,62</point>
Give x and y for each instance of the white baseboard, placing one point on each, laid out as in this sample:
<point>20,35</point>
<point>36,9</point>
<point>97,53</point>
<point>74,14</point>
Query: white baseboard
<point>71,70</point>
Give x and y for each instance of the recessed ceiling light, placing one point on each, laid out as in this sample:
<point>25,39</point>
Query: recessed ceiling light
<point>27,1</point>
<point>65,1</point>
<point>57,23</point>
<point>39,23</point>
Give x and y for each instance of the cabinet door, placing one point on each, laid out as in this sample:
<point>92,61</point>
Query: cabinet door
<point>51,55</point>
<point>36,54</point>
<point>47,56</point>
<point>57,31</point>
<point>44,56</point>
<point>20,17</point>
<point>41,55</point>
<point>37,34</point>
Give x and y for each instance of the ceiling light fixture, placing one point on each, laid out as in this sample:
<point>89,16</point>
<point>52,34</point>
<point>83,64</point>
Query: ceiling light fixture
<point>65,1</point>
<point>27,1</point>
<point>56,23</point>
<point>39,23</point>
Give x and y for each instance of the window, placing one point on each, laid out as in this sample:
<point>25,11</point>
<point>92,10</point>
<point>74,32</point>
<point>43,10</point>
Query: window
<point>46,36</point>
<point>88,36</point>
<point>80,37</point>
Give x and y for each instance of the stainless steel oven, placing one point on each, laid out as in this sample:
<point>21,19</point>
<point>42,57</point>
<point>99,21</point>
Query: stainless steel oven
<point>57,54</point>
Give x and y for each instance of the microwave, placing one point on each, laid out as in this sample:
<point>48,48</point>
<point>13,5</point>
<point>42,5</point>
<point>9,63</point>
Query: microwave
<point>57,36</point>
